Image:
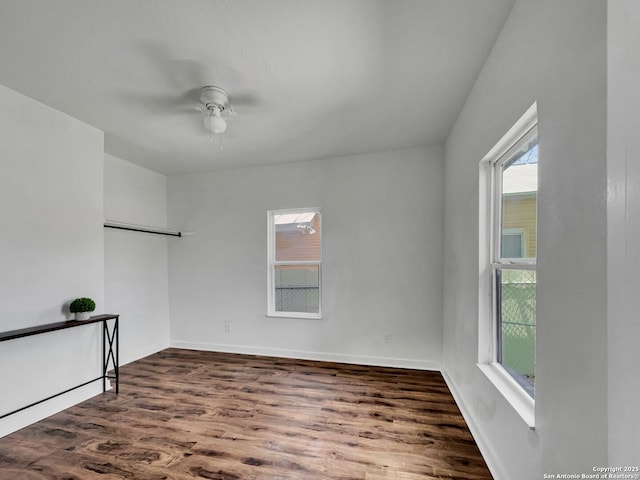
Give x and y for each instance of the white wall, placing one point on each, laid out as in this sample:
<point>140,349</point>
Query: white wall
<point>552,52</point>
<point>51,251</point>
<point>623,217</point>
<point>382,253</point>
<point>136,264</point>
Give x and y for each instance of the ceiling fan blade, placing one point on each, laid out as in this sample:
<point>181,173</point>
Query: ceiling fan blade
<point>230,112</point>
<point>159,104</point>
<point>191,98</point>
<point>190,73</point>
<point>245,99</point>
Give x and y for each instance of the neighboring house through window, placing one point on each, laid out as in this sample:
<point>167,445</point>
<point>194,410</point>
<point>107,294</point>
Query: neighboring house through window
<point>295,261</point>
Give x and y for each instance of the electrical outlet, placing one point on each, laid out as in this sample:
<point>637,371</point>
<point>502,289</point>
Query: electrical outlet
<point>387,337</point>
<point>227,327</point>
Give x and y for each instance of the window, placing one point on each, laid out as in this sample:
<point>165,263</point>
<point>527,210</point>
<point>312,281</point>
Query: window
<point>512,243</point>
<point>509,184</point>
<point>295,263</point>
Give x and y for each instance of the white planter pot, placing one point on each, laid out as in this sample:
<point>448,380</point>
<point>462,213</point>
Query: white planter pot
<point>82,315</point>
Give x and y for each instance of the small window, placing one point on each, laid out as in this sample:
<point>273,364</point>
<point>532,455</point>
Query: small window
<point>513,243</point>
<point>295,263</point>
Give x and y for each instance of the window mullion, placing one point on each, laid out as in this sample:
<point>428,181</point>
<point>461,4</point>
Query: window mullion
<point>296,262</point>
<point>513,266</point>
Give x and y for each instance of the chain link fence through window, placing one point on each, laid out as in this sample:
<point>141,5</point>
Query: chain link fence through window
<point>297,298</point>
<point>518,322</point>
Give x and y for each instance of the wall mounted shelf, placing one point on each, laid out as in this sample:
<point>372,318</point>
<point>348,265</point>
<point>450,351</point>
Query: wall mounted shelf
<point>141,228</point>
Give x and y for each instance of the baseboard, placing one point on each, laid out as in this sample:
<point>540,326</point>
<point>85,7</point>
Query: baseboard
<point>319,356</point>
<point>490,458</point>
<point>36,413</point>
<point>143,352</point>
<point>43,410</point>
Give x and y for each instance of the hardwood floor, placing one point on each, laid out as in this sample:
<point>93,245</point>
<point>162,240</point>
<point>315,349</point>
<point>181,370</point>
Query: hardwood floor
<point>185,414</point>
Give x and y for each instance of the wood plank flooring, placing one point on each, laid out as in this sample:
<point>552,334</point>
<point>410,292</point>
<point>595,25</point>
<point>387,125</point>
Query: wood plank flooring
<point>185,414</point>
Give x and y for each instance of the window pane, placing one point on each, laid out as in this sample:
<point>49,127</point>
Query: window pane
<point>513,245</point>
<point>297,237</point>
<point>297,288</point>
<point>517,325</point>
<point>520,197</point>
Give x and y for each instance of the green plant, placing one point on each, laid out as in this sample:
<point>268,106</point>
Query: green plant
<point>82,304</point>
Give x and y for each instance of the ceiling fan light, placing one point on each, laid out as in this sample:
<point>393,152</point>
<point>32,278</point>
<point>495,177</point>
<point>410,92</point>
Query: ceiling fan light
<point>215,124</point>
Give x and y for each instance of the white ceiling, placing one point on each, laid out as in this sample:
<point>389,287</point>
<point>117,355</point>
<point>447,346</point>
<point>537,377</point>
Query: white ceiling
<point>328,77</point>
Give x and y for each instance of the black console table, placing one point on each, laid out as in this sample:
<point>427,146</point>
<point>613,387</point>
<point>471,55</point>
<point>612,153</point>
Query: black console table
<point>110,349</point>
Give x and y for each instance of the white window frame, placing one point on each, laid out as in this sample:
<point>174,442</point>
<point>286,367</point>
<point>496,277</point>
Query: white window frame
<point>272,263</point>
<point>490,260</point>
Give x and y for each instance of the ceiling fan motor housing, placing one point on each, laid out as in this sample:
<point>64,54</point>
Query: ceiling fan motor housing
<point>214,97</point>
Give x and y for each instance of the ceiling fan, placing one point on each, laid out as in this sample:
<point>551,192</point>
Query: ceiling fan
<point>185,74</point>
<point>215,101</point>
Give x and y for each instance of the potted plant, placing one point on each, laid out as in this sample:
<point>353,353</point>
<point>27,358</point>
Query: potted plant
<point>82,308</point>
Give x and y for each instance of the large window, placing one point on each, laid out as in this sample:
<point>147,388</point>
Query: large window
<point>510,177</point>
<point>514,263</point>
<point>295,263</point>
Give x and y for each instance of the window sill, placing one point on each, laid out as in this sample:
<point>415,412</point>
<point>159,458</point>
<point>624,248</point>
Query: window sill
<point>306,316</point>
<point>521,402</point>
